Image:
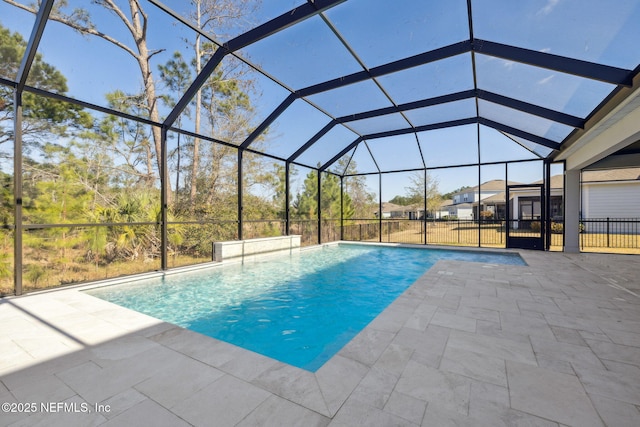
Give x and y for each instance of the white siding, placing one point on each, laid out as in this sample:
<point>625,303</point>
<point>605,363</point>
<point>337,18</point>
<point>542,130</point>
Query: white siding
<point>615,200</point>
<point>465,213</point>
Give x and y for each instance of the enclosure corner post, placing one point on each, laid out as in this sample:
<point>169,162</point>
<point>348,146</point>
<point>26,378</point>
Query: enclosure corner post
<point>424,215</point>
<point>164,200</point>
<point>240,195</point>
<point>319,202</point>
<point>380,206</point>
<point>547,205</point>
<point>341,207</point>
<point>287,201</point>
<point>17,193</point>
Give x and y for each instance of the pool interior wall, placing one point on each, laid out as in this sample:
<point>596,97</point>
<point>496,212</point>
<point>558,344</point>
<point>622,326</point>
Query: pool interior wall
<point>300,308</point>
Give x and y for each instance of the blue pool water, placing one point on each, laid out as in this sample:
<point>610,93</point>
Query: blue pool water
<point>300,309</point>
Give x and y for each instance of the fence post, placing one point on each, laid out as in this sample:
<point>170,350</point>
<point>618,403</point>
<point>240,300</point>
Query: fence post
<point>608,219</point>
<point>458,230</point>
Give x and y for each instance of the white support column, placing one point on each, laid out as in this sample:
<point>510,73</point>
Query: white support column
<point>572,211</point>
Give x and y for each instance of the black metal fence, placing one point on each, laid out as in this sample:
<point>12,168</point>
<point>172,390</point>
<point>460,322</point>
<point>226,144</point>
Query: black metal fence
<point>622,233</point>
<point>440,232</point>
<point>595,233</point>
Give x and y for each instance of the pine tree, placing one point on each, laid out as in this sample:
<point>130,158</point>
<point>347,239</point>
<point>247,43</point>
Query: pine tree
<point>306,203</point>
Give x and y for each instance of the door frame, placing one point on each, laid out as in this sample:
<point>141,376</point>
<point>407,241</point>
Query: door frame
<point>533,241</point>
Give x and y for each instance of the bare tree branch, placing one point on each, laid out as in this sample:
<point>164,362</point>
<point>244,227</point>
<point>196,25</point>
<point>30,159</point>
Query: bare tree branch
<point>80,28</point>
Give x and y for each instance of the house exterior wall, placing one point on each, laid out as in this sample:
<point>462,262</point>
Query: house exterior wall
<point>611,200</point>
<point>441,213</point>
<point>465,213</point>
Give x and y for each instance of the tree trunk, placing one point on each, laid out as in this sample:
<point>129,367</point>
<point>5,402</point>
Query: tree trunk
<point>139,33</point>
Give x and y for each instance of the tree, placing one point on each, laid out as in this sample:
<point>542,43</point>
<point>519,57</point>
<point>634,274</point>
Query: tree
<point>177,76</point>
<point>403,200</point>
<point>43,117</point>
<point>355,187</point>
<point>306,203</point>
<point>135,22</point>
<point>422,187</point>
<point>222,102</point>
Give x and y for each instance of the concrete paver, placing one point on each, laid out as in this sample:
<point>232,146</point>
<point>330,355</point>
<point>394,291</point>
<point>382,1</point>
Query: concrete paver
<point>556,342</point>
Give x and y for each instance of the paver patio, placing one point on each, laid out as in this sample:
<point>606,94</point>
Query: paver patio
<point>554,343</point>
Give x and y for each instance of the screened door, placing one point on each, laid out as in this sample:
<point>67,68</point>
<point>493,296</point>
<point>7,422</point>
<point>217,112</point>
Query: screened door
<point>525,221</point>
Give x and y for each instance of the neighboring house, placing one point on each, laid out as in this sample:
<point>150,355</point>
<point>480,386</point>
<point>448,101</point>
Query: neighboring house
<point>461,211</point>
<point>391,210</point>
<point>443,210</point>
<point>525,202</point>
<point>495,204</point>
<point>488,196</point>
<point>613,193</point>
<point>605,194</point>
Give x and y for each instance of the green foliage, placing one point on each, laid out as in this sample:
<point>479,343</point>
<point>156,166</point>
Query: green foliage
<point>6,199</point>
<point>306,202</point>
<point>102,169</point>
<point>420,186</point>
<point>5,264</point>
<point>34,273</point>
<point>405,200</point>
<point>399,200</point>
<point>42,116</point>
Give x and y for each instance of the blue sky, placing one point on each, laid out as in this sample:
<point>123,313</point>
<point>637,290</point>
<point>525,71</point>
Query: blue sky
<point>309,53</point>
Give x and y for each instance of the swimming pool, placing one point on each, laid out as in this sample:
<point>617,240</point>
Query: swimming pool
<point>301,308</point>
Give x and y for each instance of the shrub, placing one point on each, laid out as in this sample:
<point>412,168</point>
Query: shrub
<point>557,227</point>
<point>486,214</point>
<point>535,226</point>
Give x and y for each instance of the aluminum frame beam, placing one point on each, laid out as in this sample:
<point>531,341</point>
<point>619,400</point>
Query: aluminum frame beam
<point>431,126</point>
<point>273,26</point>
<point>536,110</point>
<point>312,141</point>
<point>605,73</point>
<point>287,19</point>
<point>428,102</point>
<point>577,67</point>
<point>563,64</point>
<point>468,94</point>
<point>340,154</point>
<point>32,46</point>
<point>392,67</point>
<point>520,133</point>
<point>470,120</point>
<point>270,119</point>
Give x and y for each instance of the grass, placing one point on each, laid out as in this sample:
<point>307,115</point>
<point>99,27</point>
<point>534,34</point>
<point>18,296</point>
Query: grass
<point>43,272</point>
<point>443,233</point>
<point>46,269</point>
